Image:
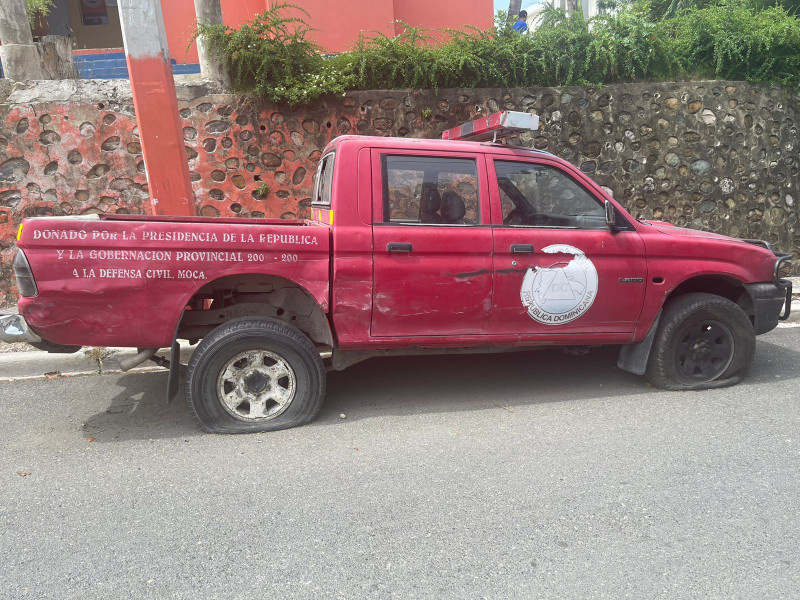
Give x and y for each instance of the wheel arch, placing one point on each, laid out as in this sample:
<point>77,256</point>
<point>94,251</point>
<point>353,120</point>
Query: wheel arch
<point>253,295</point>
<point>704,341</point>
<point>717,284</point>
<point>634,357</point>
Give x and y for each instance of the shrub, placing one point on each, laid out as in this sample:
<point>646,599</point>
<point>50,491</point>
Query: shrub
<point>732,41</point>
<point>382,62</point>
<point>628,46</point>
<point>272,56</point>
<point>38,8</point>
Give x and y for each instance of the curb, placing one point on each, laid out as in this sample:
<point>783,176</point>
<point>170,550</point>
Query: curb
<point>794,316</point>
<point>87,361</point>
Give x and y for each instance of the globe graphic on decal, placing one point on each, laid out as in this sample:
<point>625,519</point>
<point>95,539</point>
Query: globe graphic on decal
<point>560,287</point>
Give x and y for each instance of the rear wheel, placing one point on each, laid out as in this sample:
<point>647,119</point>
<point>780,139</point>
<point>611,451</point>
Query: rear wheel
<point>255,375</point>
<point>703,341</point>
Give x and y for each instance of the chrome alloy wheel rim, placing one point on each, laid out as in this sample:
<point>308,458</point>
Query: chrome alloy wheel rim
<point>256,385</point>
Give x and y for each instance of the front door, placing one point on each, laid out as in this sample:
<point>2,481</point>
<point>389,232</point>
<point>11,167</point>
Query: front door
<point>559,268</point>
<point>432,244</point>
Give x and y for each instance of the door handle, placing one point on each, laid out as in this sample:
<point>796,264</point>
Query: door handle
<point>521,248</point>
<point>399,247</point>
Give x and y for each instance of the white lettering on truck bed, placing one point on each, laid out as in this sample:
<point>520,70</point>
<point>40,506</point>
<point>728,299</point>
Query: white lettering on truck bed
<point>253,241</point>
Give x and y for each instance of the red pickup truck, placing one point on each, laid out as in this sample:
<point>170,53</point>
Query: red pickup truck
<point>414,246</point>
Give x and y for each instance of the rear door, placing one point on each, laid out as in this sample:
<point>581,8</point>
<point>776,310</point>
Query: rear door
<point>559,268</point>
<point>432,244</point>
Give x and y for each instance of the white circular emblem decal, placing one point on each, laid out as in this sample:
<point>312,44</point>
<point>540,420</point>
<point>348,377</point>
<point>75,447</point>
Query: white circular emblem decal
<point>561,292</point>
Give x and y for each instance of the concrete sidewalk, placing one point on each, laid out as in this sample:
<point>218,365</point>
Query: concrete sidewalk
<point>87,361</point>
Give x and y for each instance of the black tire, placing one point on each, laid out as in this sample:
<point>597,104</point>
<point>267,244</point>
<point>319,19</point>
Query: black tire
<point>215,382</point>
<point>703,341</point>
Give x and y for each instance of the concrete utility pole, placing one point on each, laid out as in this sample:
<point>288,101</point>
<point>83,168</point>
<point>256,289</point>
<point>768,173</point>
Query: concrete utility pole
<point>209,12</point>
<point>19,54</point>
<point>156,103</point>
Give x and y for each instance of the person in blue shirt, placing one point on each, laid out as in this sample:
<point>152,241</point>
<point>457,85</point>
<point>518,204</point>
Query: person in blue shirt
<point>521,24</point>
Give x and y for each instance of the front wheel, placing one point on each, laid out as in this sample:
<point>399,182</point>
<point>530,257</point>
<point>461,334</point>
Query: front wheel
<point>255,375</point>
<point>703,341</point>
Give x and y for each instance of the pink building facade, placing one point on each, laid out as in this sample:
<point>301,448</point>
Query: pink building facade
<point>94,24</point>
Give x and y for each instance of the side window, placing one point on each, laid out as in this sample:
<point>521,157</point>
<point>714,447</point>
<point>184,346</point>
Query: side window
<point>541,196</point>
<point>322,181</point>
<point>430,190</point>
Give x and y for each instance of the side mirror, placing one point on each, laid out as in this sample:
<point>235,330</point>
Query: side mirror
<point>610,221</point>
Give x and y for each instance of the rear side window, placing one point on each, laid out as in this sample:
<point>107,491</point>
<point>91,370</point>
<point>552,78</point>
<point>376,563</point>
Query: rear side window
<point>430,190</point>
<point>323,180</point>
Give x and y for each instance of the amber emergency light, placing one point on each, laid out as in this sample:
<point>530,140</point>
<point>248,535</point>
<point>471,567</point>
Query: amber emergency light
<point>494,127</point>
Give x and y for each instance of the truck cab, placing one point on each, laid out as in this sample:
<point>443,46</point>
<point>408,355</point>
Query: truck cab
<point>475,243</point>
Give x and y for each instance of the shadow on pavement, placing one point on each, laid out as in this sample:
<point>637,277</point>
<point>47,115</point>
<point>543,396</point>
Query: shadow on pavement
<point>140,411</point>
<point>436,384</point>
<point>419,385</point>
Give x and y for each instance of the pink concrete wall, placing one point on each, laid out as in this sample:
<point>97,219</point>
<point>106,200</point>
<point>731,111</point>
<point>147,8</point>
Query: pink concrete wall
<point>447,14</point>
<point>339,23</point>
<point>179,21</point>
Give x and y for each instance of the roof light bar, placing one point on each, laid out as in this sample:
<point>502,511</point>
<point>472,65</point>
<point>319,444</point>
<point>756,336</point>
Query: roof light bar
<point>494,127</point>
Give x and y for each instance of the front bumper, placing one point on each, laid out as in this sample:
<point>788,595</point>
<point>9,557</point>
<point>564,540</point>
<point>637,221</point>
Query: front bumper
<point>14,328</point>
<point>772,302</point>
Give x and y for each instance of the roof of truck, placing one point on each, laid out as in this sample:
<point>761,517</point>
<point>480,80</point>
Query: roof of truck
<point>362,141</point>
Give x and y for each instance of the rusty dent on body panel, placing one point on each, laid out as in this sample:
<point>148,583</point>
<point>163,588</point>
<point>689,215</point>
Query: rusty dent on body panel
<point>464,276</point>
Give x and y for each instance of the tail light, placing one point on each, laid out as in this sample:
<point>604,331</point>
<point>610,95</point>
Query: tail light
<point>25,281</point>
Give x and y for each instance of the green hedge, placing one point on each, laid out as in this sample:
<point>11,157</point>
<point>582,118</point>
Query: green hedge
<point>272,56</point>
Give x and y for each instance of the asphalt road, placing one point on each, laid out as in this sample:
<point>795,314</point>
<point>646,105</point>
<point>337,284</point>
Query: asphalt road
<point>532,475</point>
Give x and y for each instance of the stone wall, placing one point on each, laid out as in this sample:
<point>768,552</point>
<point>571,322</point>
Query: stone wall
<point>716,155</point>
